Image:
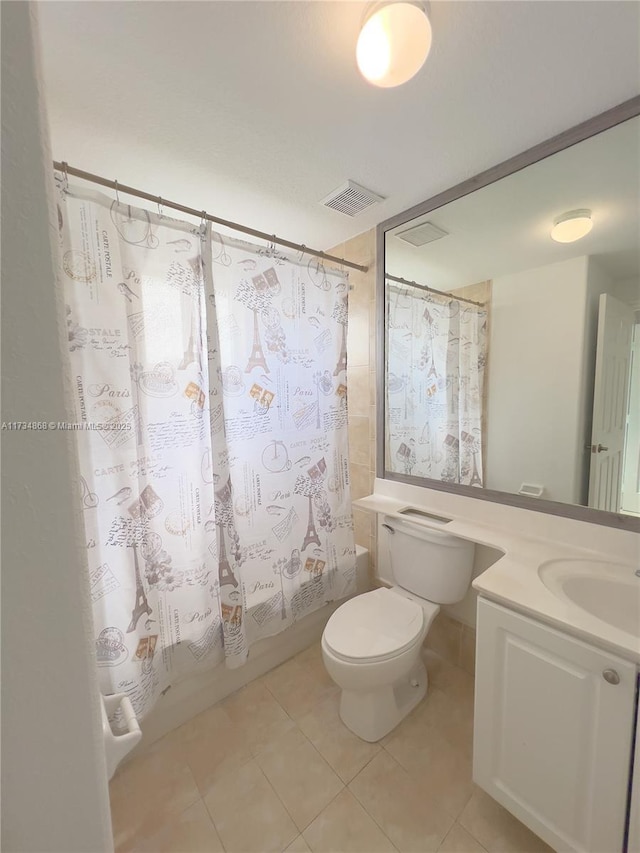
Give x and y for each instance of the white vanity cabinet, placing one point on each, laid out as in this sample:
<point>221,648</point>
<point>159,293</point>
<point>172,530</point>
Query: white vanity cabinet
<point>554,720</point>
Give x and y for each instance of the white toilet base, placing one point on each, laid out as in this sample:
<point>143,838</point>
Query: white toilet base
<point>371,714</point>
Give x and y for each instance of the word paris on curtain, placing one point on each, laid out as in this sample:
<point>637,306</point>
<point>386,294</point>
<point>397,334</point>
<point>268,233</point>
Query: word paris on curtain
<point>437,351</point>
<point>209,380</point>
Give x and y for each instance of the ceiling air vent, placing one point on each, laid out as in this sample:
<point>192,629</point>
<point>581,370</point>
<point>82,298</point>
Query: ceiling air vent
<point>351,199</point>
<point>422,234</point>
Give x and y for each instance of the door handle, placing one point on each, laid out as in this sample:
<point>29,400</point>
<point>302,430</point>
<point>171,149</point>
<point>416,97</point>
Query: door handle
<point>596,448</point>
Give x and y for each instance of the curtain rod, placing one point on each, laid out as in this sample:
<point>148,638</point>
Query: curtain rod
<point>433,290</point>
<point>162,202</point>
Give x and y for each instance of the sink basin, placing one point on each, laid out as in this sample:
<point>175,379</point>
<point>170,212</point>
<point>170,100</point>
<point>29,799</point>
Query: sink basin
<point>608,591</point>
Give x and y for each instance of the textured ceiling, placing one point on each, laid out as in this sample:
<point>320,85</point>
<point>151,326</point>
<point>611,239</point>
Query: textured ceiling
<point>255,110</point>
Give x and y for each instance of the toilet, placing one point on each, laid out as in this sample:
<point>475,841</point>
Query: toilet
<point>371,644</point>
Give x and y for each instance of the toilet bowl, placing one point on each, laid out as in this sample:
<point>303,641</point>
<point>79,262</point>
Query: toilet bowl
<point>371,645</point>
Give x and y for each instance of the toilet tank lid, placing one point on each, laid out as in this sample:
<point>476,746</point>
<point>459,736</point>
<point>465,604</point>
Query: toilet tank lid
<point>374,625</point>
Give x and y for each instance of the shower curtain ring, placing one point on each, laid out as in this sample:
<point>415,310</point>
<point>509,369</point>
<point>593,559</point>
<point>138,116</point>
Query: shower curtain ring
<point>160,213</point>
<point>303,249</point>
<point>117,194</point>
<point>65,176</point>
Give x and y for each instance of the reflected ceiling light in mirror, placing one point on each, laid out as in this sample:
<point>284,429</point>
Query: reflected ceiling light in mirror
<point>571,226</point>
<point>394,42</point>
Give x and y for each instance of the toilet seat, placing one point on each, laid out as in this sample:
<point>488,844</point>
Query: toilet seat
<point>375,626</point>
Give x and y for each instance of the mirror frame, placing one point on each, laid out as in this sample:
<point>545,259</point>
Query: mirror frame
<point>604,121</point>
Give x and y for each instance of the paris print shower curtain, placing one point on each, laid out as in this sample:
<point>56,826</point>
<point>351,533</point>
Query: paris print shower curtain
<point>436,357</point>
<point>193,519</point>
<point>277,336</point>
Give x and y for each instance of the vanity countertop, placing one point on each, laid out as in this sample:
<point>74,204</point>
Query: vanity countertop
<point>513,580</point>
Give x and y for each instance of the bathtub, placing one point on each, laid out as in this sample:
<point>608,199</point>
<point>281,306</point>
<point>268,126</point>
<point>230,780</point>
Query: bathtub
<point>195,694</point>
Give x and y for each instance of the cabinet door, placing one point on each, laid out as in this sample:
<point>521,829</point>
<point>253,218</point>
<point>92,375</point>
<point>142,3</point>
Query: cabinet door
<point>552,738</point>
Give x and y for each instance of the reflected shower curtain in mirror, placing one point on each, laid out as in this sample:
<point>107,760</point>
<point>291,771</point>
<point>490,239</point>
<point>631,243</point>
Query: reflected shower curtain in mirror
<point>193,520</point>
<point>436,356</point>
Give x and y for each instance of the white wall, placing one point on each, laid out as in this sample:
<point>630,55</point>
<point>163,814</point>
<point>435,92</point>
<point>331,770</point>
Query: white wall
<point>54,786</point>
<point>628,290</point>
<point>535,408</point>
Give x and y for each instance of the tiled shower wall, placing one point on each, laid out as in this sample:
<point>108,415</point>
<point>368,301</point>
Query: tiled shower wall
<point>361,378</point>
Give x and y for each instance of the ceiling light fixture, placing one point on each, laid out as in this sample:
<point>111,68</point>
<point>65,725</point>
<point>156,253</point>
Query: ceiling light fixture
<point>571,226</point>
<point>394,42</point>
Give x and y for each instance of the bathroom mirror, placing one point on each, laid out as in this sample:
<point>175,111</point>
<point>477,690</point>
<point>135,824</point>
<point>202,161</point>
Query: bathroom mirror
<point>509,362</point>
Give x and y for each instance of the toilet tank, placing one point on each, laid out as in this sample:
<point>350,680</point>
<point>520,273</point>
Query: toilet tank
<point>427,562</point>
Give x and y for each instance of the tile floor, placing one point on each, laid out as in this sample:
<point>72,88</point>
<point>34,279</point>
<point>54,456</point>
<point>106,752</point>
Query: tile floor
<point>272,768</point>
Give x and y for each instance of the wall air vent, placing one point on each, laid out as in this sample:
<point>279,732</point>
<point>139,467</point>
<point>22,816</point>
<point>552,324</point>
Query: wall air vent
<point>422,234</point>
<point>351,199</point>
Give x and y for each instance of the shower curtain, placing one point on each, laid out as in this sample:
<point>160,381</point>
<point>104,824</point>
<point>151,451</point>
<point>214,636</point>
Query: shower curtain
<point>436,357</point>
<point>277,332</point>
<point>197,456</point>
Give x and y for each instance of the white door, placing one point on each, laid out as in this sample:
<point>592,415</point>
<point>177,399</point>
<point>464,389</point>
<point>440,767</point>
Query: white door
<point>610,403</point>
<point>553,730</point>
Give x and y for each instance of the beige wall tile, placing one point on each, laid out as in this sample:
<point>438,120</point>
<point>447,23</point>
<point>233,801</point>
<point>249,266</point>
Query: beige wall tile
<point>392,797</point>
<point>496,829</point>
<point>373,428</point>
<point>373,384</point>
<point>358,341</point>
<point>359,441</point>
<point>361,481</point>
<point>358,392</point>
<point>301,777</point>
<point>190,832</point>
<point>247,813</point>
<point>363,526</point>
<point>361,385</point>
<point>361,248</point>
<point>363,291</point>
<point>345,827</point>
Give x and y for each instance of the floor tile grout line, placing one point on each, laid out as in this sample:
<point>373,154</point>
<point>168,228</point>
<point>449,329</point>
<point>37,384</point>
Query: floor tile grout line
<point>169,820</point>
<point>294,721</point>
<point>214,825</point>
<point>284,805</point>
<point>302,831</point>
<point>334,771</point>
<point>464,829</point>
<point>367,812</point>
<point>454,816</point>
<point>242,763</point>
<point>373,818</point>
